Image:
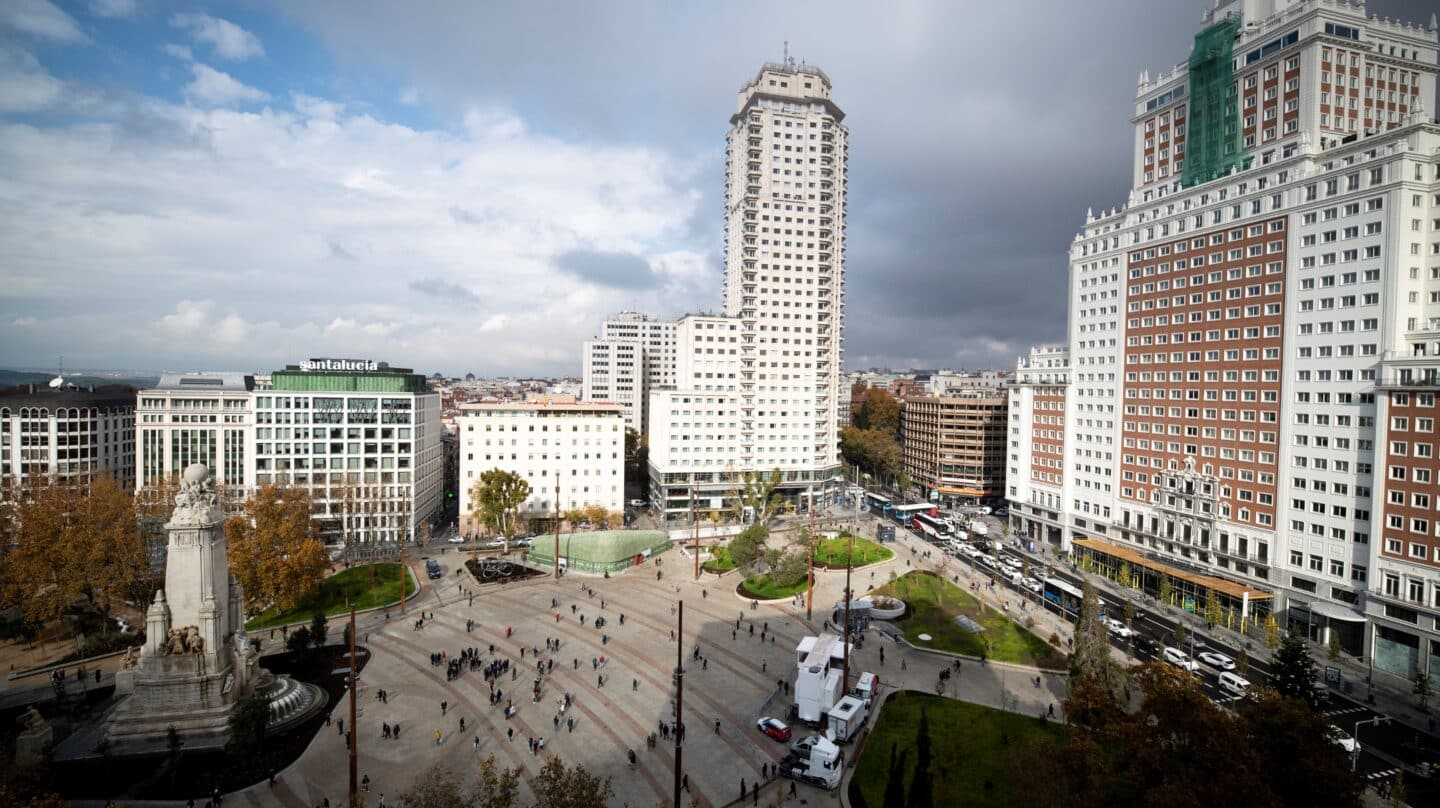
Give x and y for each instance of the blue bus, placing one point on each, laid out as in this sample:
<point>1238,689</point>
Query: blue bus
<point>1063,597</point>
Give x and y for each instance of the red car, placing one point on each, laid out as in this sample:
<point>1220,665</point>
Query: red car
<point>774,728</point>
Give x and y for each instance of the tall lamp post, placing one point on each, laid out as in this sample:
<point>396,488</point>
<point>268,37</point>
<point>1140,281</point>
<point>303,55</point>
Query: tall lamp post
<point>679,696</point>
<point>557,525</point>
<point>1355,751</point>
<point>810,561</point>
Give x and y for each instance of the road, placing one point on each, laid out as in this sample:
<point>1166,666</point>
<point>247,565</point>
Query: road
<point>1383,747</point>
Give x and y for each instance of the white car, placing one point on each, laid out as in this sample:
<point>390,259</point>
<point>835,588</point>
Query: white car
<point>1343,739</point>
<point>1216,660</point>
<point>637,503</point>
<point>1180,659</point>
<point>1034,585</point>
<point>1118,628</point>
<point>983,510</point>
<point>457,539</point>
<point>493,543</point>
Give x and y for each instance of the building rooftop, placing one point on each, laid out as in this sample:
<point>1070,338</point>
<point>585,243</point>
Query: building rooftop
<point>39,395</point>
<point>566,402</point>
<point>206,382</point>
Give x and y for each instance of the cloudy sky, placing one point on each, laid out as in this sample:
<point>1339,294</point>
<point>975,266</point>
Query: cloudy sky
<point>473,186</point>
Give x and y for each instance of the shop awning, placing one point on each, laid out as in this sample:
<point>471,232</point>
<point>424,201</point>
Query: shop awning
<point>1334,611</point>
<point>1210,582</point>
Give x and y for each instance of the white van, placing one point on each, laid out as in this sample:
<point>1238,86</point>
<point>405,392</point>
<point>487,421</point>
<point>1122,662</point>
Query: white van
<point>979,528</point>
<point>1234,683</point>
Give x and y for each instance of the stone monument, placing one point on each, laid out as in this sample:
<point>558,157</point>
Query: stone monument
<point>196,662</point>
<point>35,737</point>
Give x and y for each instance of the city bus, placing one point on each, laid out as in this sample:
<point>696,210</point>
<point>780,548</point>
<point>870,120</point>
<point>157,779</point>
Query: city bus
<point>905,514</point>
<point>1063,597</point>
<point>931,526</point>
<point>877,503</point>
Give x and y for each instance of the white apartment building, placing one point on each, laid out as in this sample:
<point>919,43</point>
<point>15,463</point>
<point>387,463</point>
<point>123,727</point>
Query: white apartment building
<point>362,437</point>
<point>581,442</point>
<point>195,418</point>
<point>634,354</point>
<point>50,432</point>
<point>1247,381</point>
<point>784,284</point>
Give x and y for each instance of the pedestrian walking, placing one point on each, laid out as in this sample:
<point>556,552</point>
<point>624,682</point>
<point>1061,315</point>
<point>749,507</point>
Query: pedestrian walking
<point>634,685</point>
<point>742,788</point>
<point>438,737</point>
<point>717,726</point>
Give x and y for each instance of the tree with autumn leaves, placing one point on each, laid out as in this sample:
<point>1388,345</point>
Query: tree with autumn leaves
<point>69,541</point>
<point>274,550</point>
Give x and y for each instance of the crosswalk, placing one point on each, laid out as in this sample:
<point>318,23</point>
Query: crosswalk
<point>1384,774</point>
<point>1346,711</point>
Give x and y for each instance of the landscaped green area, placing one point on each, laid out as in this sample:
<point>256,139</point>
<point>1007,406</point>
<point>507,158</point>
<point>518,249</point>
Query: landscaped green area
<point>975,753</point>
<point>366,586</point>
<point>831,552</point>
<point>762,587</point>
<point>935,602</point>
<point>720,560</point>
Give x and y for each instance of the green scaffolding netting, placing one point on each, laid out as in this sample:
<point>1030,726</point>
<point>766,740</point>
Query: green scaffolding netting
<point>1212,144</point>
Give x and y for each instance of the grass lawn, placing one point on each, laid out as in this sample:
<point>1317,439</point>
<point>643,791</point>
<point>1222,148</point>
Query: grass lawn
<point>368,586</point>
<point>720,560</point>
<point>934,601</point>
<point>831,552</point>
<point>977,753</point>
<point>763,588</point>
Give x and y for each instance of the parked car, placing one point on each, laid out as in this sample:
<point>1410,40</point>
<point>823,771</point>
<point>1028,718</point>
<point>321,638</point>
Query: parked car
<point>1234,683</point>
<point>1147,644</point>
<point>495,543</point>
<point>1034,585</point>
<point>983,510</point>
<point>1216,660</point>
<point>432,570</point>
<point>774,727</point>
<point>637,503</point>
<point>456,539</point>
<point>1180,659</point>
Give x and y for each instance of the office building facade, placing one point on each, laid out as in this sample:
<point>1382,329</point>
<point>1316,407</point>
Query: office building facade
<point>195,418</point>
<point>62,432</point>
<point>953,445</point>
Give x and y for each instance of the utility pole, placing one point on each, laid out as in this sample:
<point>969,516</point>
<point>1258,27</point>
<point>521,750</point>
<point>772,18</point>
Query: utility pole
<point>679,696</point>
<point>695,512</point>
<point>557,525</point>
<point>849,562</point>
<point>354,736</point>
<point>404,575</point>
<point>810,562</point>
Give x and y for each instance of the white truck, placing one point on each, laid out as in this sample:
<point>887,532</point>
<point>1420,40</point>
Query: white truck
<point>816,761</point>
<point>818,672</point>
<point>979,528</point>
<point>846,719</point>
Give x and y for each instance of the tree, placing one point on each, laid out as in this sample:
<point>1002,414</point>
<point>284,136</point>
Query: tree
<point>247,725</point>
<point>872,450</point>
<point>1166,588</point>
<point>319,630</point>
<point>298,641</point>
<point>496,787</point>
<point>71,539</point>
<point>1272,631</point>
<point>496,496</point>
<point>1213,614</point>
<point>558,786</point>
<point>1333,650</point>
<point>574,516</point>
<point>1125,574</point>
<point>637,457</point>
<point>1292,672</point>
<point>1242,662</point>
<point>597,515</point>
<point>757,492</point>
<point>745,548</point>
<point>273,549</point>
<point>1095,679</point>
<point>790,569</point>
<point>879,411</point>
<point>1422,690</point>
<point>437,787</point>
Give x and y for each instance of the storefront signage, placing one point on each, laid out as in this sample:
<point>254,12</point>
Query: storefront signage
<point>353,365</point>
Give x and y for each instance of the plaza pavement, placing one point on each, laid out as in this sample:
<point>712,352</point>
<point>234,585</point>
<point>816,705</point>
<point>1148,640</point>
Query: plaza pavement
<point>732,687</point>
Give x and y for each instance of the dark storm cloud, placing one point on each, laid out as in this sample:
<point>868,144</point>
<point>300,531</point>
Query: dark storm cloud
<point>617,270</point>
<point>444,290</point>
<point>980,133</point>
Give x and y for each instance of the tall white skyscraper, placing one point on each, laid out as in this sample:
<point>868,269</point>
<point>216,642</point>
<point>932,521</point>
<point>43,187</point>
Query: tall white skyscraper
<point>784,283</point>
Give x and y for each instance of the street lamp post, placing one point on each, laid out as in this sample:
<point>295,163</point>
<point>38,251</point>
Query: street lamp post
<point>1355,752</point>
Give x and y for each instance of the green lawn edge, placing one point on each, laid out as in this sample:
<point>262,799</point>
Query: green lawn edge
<point>831,552</point>
<point>1004,639</point>
<point>330,598</point>
<point>760,586</point>
<point>977,753</point>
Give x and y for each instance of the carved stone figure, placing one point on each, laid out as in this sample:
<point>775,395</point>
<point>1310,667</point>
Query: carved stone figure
<point>194,643</point>
<point>174,644</point>
<point>30,720</point>
<point>131,658</point>
<point>196,501</point>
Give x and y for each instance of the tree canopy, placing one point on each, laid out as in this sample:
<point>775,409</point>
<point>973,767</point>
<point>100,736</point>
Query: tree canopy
<point>1292,671</point>
<point>495,498</point>
<point>274,552</point>
<point>70,539</point>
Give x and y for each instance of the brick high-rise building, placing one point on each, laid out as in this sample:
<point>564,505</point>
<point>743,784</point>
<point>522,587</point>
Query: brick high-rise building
<point>779,383</point>
<point>1241,403</point>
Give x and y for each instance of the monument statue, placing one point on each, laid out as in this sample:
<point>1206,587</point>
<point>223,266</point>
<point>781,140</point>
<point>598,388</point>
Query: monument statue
<point>195,663</point>
<point>30,720</point>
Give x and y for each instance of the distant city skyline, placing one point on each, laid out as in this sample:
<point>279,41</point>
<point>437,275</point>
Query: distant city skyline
<point>467,188</point>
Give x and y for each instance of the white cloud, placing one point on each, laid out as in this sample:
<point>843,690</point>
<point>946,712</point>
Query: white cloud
<point>181,52</point>
<point>211,86</point>
<point>40,18</point>
<point>211,243</point>
<point>228,40</point>
<point>21,322</point>
<point>25,86</point>
<point>113,8</point>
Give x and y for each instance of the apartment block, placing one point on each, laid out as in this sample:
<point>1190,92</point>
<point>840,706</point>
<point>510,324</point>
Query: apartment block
<point>954,445</point>
<point>634,354</point>
<point>1241,403</point>
<point>66,430</point>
